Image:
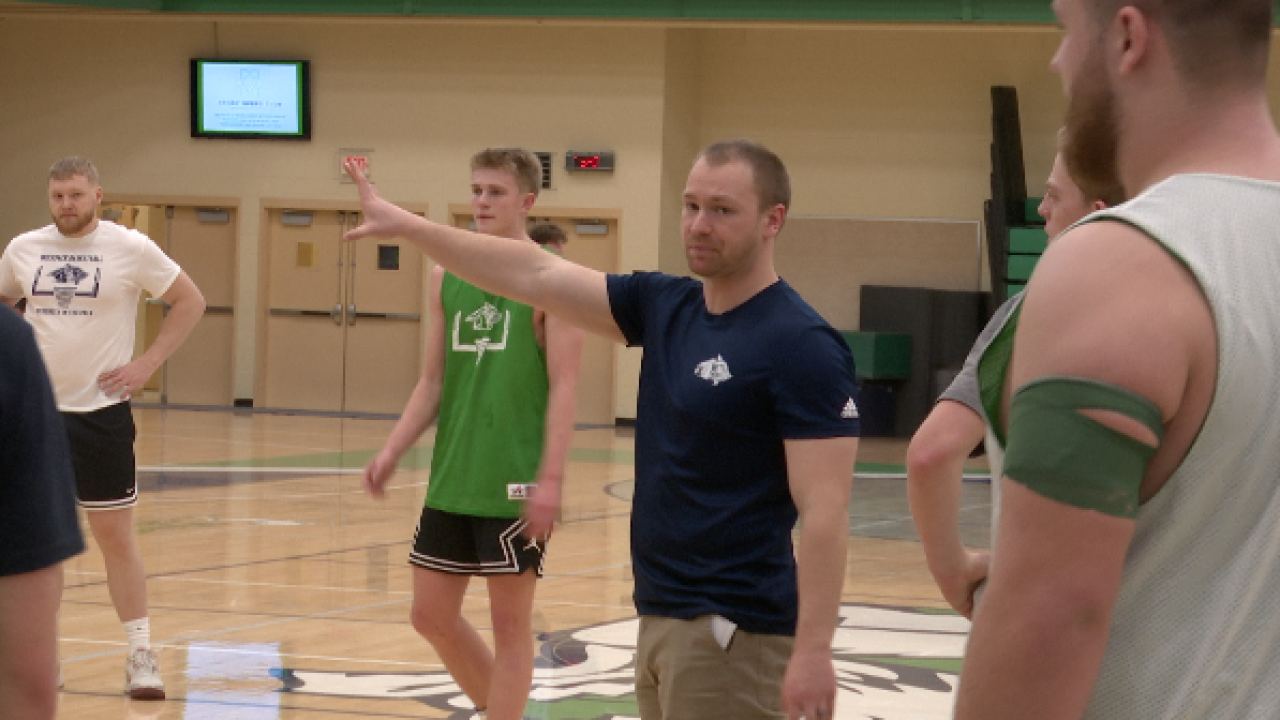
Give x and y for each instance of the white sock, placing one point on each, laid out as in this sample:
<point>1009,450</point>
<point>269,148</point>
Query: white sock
<point>139,633</point>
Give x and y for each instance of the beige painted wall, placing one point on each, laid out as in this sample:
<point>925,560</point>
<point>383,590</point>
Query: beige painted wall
<point>873,121</point>
<point>681,137</point>
<point>424,97</point>
<point>882,123</point>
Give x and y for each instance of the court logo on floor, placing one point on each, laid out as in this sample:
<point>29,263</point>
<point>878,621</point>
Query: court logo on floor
<point>891,664</point>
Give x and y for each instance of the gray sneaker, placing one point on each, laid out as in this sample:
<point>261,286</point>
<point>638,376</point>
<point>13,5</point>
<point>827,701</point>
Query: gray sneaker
<point>142,675</point>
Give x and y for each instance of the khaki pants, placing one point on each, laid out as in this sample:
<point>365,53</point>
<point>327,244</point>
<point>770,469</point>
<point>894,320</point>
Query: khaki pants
<point>682,673</point>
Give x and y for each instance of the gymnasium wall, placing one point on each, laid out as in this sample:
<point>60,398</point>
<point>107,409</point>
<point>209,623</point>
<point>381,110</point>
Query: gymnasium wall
<point>424,97</point>
<point>682,136</point>
<point>878,122</point>
<point>874,121</point>
<point>889,123</point>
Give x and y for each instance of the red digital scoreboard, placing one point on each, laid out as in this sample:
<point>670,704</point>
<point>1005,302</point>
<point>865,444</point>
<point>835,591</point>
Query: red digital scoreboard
<point>588,161</point>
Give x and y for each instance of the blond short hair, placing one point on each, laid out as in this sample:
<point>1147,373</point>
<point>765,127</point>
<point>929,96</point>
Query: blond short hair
<point>522,164</point>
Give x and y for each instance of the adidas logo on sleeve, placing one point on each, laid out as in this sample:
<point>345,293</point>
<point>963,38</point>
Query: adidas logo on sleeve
<point>850,410</point>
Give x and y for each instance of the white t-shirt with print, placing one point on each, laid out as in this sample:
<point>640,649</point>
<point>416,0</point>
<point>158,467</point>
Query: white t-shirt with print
<point>82,301</point>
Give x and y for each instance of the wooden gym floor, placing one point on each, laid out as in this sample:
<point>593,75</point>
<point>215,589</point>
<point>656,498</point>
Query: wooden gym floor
<point>278,590</point>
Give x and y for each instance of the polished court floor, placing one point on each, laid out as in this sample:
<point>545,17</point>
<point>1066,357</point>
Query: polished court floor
<point>279,590</point>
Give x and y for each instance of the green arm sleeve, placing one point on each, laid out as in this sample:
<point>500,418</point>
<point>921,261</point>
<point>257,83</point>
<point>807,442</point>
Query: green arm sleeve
<point>1063,455</point>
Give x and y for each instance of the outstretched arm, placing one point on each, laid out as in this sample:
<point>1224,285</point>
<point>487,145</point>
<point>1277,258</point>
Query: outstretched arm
<point>424,403</point>
<point>186,307</point>
<point>564,359</point>
<point>935,468</point>
<point>518,270</point>
<point>820,473</point>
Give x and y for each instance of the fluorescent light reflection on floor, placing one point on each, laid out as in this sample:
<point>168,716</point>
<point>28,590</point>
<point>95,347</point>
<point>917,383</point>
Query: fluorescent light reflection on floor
<point>232,680</point>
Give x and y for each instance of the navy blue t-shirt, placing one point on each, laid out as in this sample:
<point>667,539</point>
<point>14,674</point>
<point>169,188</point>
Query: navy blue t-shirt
<point>38,524</point>
<point>712,517</point>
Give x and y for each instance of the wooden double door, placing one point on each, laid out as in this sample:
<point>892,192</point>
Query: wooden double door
<point>343,320</point>
<point>203,241</point>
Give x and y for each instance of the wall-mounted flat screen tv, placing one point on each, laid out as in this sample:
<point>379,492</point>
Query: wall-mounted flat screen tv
<point>250,99</point>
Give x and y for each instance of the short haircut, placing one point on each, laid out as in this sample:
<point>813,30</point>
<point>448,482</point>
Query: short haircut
<point>1111,194</point>
<point>69,167</point>
<point>773,185</point>
<point>548,233</point>
<point>522,164</point>
<point>1212,41</point>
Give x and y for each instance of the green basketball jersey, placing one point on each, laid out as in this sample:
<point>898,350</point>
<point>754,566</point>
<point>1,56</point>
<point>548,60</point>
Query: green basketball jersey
<point>493,404</point>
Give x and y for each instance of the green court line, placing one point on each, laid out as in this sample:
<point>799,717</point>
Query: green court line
<point>870,467</point>
<point>936,611</point>
<point>947,665</point>
<point>419,458</point>
<point>586,706</point>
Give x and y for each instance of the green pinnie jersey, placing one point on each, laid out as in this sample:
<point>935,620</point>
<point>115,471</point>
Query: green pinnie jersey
<point>493,404</point>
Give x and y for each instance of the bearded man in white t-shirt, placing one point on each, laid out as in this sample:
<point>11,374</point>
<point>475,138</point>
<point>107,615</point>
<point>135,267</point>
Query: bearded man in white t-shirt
<point>82,278</point>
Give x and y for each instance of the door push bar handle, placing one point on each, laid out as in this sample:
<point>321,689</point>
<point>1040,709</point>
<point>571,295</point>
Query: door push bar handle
<point>389,316</point>
<point>335,314</point>
<point>292,312</point>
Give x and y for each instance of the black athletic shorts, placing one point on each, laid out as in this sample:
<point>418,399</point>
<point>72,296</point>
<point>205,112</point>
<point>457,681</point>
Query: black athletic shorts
<point>470,545</point>
<point>102,455</point>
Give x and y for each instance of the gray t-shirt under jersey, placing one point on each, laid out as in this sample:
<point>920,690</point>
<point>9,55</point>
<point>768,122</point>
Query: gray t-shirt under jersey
<point>964,389</point>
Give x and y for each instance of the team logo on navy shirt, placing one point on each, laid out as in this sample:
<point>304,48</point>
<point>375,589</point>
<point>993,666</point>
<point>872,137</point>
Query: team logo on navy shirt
<point>716,370</point>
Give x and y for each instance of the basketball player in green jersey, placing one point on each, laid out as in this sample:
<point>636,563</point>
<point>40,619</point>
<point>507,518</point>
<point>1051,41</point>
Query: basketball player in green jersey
<point>500,378</point>
<point>938,450</point>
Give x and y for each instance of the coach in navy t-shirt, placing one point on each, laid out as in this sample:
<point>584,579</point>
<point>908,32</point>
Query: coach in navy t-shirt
<point>711,529</point>
<point>746,424</point>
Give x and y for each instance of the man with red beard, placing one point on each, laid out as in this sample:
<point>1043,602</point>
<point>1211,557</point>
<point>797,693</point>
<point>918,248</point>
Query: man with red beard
<point>82,278</point>
<point>1137,569</point>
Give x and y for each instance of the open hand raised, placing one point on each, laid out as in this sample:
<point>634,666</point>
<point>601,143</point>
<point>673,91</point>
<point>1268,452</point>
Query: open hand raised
<point>382,219</point>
